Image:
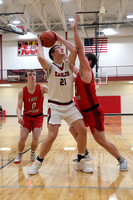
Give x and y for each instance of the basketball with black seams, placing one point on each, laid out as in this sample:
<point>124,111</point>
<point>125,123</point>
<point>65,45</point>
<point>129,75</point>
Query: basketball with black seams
<point>48,38</point>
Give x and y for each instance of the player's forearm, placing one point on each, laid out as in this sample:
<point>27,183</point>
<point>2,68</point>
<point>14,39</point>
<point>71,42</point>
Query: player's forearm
<point>19,112</point>
<point>40,55</point>
<point>68,45</point>
<point>77,40</point>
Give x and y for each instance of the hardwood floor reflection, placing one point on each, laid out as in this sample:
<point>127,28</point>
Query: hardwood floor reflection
<point>57,179</point>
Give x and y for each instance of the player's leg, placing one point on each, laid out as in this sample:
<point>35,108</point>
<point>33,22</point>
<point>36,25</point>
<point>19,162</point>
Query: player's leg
<point>82,135</point>
<point>34,144</point>
<point>54,122</point>
<point>99,136</point>
<point>74,118</point>
<point>81,145</point>
<point>36,131</point>
<point>75,135</point>
<point>45,148</point>
<point>97,129</point>
<point>47,143</point>
<point>24,132</point>
<point>73,132</point>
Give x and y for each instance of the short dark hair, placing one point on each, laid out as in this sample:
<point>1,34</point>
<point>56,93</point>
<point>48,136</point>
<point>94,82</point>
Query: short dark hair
<point>29,70</point>
<point>52,50</point>
<point>93,58</point>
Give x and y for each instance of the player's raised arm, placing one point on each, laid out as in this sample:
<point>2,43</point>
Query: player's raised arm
<point>79,46</point>
<point>70,47</point>
<point>40,55</point>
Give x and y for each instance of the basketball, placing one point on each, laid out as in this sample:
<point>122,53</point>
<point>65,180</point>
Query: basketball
<point>48,38</point>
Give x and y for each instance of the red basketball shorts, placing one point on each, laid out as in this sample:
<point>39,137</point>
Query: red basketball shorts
<point>94,119</point>
<point>32,122</point>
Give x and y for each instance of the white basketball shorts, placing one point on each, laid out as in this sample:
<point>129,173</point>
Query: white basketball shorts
<point>69,113</point>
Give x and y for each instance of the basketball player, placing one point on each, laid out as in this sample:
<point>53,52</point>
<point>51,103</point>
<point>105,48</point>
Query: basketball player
<point>60,103</point>
<point>32,95</point>
<point>87,101</point>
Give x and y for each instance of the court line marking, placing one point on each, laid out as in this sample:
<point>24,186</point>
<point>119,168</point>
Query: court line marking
<point>9,143</point>
<point>69,187</point>
<point>121,135</point>
<point>14,158</point>
<point>109,124</point>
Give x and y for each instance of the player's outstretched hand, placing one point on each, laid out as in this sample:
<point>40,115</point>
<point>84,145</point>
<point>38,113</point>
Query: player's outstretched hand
<point>57,36</point>
<point>74,23</point>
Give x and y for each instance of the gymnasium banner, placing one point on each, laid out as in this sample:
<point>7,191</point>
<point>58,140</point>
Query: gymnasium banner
<point>27,48</point>
<point>19,75</point>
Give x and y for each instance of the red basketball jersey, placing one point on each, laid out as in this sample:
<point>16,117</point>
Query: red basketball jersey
<point>85,93</point>
<point>33,103</point>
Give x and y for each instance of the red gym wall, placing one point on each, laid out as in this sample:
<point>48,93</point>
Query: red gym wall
<point>111,104</point>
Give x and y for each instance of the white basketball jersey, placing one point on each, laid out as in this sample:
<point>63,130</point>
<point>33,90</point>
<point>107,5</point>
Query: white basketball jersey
<point>60,82</point>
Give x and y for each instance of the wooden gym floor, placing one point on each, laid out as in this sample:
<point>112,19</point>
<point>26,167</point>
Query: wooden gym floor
<point>57,178</point>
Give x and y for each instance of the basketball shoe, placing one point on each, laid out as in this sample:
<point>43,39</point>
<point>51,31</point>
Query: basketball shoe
<point>35,167</point>
<point>123,164</point>
<point>32,156</point>
<point>18,158</point>
<point>87,158</point>
<point>82,166</point>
